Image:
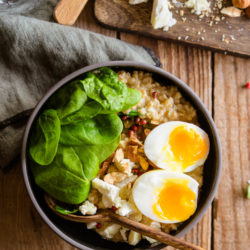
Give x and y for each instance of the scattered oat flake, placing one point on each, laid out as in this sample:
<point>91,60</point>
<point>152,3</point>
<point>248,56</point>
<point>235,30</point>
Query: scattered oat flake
<point>199,32</point>
<point>179,37</point>
<point>211,23</point>
<point>186,37</point>
<point>202,38</point>
<point>187,29</point>
<point>184,19</point>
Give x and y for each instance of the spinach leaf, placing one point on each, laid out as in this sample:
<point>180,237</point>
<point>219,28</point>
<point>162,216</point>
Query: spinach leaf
<point>65,211</point>
<point>104,151</point>
<point>133,97</point>
<point>68,177</point>
<point>101,129</point>
<point>68,99</point>
<point>89,160</point>
<point>110,93</point>
<point>45,137</point>
<point>87,111</point>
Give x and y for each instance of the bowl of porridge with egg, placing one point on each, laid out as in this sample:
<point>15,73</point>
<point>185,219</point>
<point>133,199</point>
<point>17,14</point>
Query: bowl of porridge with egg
<point>125,137</point>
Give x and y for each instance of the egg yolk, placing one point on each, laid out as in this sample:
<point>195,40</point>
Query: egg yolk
<point>185,147</point>
<point>175,201</point>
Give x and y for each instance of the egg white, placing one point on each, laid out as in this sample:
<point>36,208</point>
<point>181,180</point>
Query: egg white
<point>144,191</point>
<point>159,137</point>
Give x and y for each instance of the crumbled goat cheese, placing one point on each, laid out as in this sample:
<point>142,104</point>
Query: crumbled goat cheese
<point>198,6</point>
<point>126,208</point>
<point>91,225</point>
<point>88,208</point>
<point>161,16</point>
<point>110,192</point>
<point>109,231</point>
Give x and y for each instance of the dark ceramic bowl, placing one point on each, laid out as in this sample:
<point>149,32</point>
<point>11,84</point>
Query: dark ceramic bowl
<point>76,233</point>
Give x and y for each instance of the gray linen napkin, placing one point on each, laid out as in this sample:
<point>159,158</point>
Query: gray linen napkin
<point>35,54</point>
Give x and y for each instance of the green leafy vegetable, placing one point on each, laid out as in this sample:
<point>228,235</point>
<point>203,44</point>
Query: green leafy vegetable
<point>78,130</point>
<point>65,211</point>
<point>104,151</point>
<point>68,177</point>
<point>134,113</point>
<point>133,97</point>
<point>101,129</point>
<point>68,99</point>
<point>87,111</point>
<point>45,137</point>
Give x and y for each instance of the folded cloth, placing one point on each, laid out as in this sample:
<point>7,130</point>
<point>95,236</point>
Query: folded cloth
<point>35,54</point>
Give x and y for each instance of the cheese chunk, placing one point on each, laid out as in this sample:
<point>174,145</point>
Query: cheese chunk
<point>137,1</point>
<point>198,6</point>
<point>88,208</point>
<point>110,192</point>
<point>161,16</point>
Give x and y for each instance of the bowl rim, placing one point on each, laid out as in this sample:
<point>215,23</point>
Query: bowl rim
<point>144,67</point>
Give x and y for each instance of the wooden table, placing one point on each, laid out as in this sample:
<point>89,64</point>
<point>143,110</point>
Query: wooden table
<point>220,81</point>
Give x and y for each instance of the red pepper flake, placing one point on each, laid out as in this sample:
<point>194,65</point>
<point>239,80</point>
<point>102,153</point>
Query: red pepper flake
<point>248,85</point>
<point>143,122</point>
<point>137,120</point>
<point>155,94</point>
<point>114,208</point>
<point>125,117</point>
<point>98,225</point>
<point>135,128</point>
<point>131,133</point>
<point>135,171</point>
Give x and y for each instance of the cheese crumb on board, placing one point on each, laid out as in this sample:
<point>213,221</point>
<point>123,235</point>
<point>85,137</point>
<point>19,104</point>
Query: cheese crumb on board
<point>161,16</point>
<point>198,6</point>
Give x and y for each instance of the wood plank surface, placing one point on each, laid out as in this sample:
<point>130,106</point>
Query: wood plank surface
<point>232,117</point>
<point>206,32</point>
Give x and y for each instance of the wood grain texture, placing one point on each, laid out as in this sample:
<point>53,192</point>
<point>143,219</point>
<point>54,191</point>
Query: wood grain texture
<point>119,14</point>
<point>67,11</point>
<point>193,66</point>
<point>232,117</point>
<point>21,227</point>
<point>87,21</point>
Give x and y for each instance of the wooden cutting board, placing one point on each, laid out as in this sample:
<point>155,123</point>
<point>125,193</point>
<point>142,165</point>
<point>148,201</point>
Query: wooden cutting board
<point>230,35</point>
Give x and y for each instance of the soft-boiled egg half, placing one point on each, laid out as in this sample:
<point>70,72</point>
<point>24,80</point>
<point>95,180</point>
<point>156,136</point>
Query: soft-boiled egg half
<point>177,146</point>
<point>165,196</point>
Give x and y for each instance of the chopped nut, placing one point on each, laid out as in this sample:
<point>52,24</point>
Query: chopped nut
<point>103,168</point>
<point>112,168</point>
<point>132,153</point>
<point>119,155</point>
<point>93,196</point>
<point>114,177</point>
<point>134,141</point>
<point>124,166</point>
<point>154,122</point>
<point>144,164</point>
<point>181,12</point>
<point>231,11</point>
